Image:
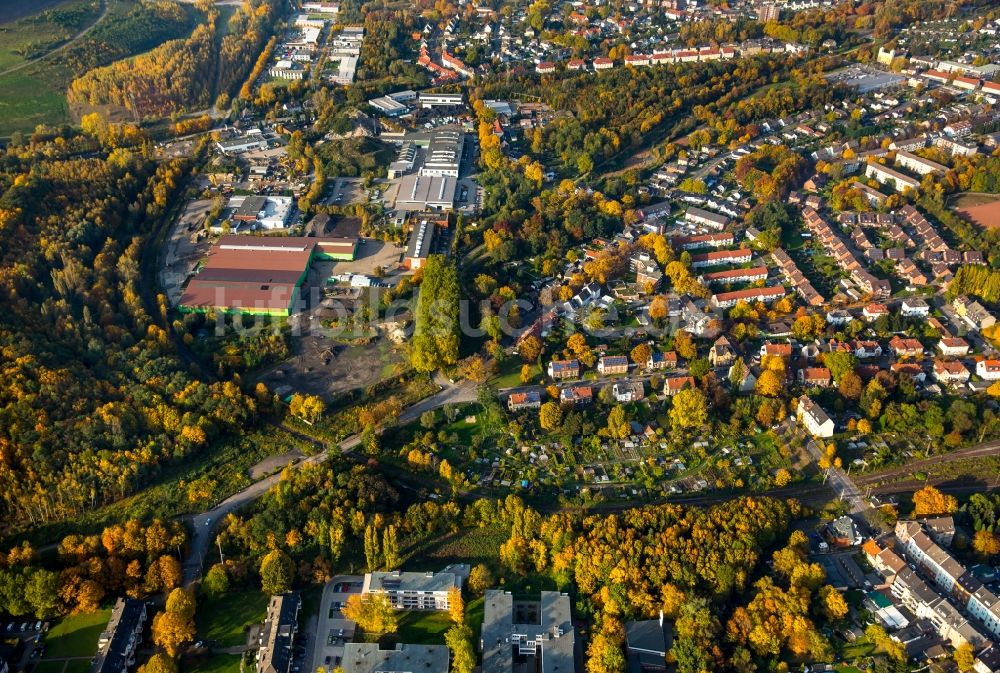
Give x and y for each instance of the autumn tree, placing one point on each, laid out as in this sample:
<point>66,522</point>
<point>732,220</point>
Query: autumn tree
<point>456,605</point>
<point>550,416</point>
<point>174,628</point>
<point>986,544</point>
<point>159,663</point>
<point>373,612</point>
<point>832,603</point>
<point>480,579</point>
<point>530,348</point>
<point>641,354</point>
<point>929,501</point>
<point>689,409</point>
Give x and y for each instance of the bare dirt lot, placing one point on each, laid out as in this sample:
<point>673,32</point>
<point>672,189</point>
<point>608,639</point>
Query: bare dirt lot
<point>371,254</point>
<point>182,251</point>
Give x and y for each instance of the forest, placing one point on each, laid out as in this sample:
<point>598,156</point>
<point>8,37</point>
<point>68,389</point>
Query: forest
<point>184,74</point>
<point>94,399</point>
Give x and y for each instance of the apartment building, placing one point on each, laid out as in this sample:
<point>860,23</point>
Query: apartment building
<point>414,590</point>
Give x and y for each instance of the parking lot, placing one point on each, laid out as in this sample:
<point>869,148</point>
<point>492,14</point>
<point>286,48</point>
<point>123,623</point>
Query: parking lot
<point>183,248</point>
<point>333,631</point>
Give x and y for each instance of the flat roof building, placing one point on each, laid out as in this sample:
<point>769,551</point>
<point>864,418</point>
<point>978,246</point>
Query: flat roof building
<point>255,274</point>
<point>431,100</point>
<point>420,245</point>
<point>444,153</point>
<point>405,658</point>
<point>420,192</point>
<point>536,634</point>
<point>413,590</point>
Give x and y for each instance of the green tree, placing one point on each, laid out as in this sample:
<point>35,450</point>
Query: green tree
<point>459,641</point>
<point>276,572</point>
<point>216,581</point>
<point>41,591</point>
<point>435,335</point>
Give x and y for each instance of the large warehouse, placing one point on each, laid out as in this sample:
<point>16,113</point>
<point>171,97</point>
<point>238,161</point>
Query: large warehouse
<point>254,274</point>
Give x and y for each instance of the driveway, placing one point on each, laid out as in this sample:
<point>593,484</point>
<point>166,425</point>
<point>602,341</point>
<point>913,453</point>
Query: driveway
<point>332,630</point>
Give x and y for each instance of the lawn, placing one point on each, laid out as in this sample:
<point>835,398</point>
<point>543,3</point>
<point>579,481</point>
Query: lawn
<point>76,635</point>
<point>77,666</point>
<point>29,98</point>
<point>509,375</point>
<point>424,627</point>
<point>216,663</point>
<point>225,620</point>
<point>474,611</point>
<point>52,666</point>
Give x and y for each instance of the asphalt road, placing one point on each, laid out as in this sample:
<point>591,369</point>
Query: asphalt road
<point>205,524</point>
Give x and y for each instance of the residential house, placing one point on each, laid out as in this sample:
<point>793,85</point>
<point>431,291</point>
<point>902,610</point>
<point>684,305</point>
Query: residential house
<point>722,353</point>
<point>674,384</point>
<point>564,369</point>
<point>914,307</point>
<point>911,369</point>
<point>838,317</point>
<point>873,312</point>
<point>530,399</point>
<point>906,348</point>
<point>628,391</point>
<point>612,364</point>
<point>865,349</point>
<point>988,370</point>
<point>953,347</point>
<point>781,350</point>
<point>810,414</point>
<point>818,377</point>
<point>742,376</point>
<point>842,532</point>
<point>576,395</point>
<point>950,372</point>
<point>662,360</point>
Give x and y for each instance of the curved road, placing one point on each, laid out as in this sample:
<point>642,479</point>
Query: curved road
<point>206,523</point>
<point>64,45</point>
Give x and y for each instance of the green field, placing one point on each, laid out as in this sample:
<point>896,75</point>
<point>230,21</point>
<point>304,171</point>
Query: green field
<point>76,635</point>
<point>35,35</point>
<point>225,620</point>
<point>50,667</point>
<point>423,627</point>
<point>216,663</point>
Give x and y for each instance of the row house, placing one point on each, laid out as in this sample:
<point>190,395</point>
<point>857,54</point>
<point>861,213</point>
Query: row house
<point>720,257</point>
<point>973,313</point>
<point>698,241</point>
<point>908,271</point>
<point>797,279</point>
<point>762,294</point>
<point>706,218</point>
<point>925,230</point>
<point>925,603</point>
<point>918,164</point>
<point>735,276</point>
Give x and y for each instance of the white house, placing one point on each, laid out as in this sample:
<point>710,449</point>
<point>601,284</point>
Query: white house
<point>914,307</point>
<point>814,418</point>
<point>988,370</point>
